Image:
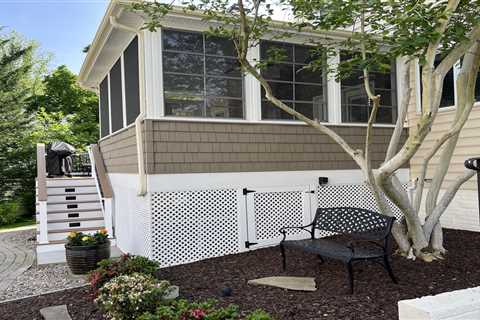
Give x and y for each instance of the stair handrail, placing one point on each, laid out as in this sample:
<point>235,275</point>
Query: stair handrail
<point>104,187</point>
<point>42,195</point>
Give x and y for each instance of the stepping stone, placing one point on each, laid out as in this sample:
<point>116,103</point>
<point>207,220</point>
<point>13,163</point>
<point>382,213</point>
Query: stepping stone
<point>55,313</point>
<point>290,283</point>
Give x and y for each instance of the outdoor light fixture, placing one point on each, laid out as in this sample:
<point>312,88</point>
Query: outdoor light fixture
<point>322,180</point>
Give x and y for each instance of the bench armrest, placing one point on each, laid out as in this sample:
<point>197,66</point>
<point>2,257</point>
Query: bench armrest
<point>307,228</point>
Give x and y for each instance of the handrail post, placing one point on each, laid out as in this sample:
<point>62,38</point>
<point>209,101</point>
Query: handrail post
<point>42,195</point>
<point>104,187</point>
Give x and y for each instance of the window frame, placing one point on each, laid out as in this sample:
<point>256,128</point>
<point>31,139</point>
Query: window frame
<point>205,75</point>
<point>324,85</point>
<point>251,87</point>
<point>395,91</point>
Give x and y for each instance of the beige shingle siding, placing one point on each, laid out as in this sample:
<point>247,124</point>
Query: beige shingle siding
<point>119,152</point>
<point>468,144</point>
<point>190,147</point>
<point>194,147</point>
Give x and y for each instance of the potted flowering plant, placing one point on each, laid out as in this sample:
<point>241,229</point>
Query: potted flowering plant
<point>84,251</point>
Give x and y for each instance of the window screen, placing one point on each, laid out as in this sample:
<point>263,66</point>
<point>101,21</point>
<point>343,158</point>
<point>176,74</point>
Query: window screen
<point>302,89</point>
<point>201,76</point>
<point>116,103</point>
<point>356,106</point>
<point>132,91</point>
<point>104,112</point>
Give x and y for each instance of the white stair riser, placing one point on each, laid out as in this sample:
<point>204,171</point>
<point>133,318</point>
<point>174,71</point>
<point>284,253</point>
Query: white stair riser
<point>70,182</point>
<point>75,225</point>
<point>74,206</point>
<point>71,190</point>
<point>63,235</point>
<point>73,198</point>
<point>81,215</point>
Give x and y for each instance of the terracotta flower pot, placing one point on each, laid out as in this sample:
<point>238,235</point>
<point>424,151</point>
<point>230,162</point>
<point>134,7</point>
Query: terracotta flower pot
<point>83,259</point>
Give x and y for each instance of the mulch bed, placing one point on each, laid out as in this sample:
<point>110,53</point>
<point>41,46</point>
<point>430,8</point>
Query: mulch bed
<point>375,295</point>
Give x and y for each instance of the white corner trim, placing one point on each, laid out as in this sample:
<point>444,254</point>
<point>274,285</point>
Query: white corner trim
<point>154,74</point>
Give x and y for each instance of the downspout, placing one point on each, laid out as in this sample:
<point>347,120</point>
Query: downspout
<point>138,121</point>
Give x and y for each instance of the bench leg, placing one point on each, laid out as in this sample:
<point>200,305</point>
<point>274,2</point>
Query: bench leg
<point>386,263</point>
<point>350,276</point>
<point>321,259</point>
<point>284,260</point>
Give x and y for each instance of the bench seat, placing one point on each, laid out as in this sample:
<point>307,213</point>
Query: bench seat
<point>334,250</point>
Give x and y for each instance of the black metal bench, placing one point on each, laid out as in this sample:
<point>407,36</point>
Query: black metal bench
<point>361,226</point>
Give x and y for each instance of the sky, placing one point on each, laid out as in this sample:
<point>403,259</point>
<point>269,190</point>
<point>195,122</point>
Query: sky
<point>61,27</point>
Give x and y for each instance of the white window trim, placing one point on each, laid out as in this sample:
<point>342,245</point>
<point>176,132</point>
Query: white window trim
<point>334,93</point>
<point>418,85</point>
<point>252,91</point>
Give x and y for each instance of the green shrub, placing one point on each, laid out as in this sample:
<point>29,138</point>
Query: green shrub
<point>10,212</point>
<point>184,310</point>
<point>127,264</point>
<point>127,297</point>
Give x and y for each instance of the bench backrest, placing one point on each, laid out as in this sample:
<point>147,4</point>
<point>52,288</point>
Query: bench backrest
<point>346,220</point>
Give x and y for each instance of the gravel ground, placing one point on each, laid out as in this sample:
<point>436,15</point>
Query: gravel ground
<point>38,279</point>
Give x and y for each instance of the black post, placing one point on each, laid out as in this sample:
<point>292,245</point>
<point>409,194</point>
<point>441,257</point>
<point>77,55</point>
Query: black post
<point>474,164</point>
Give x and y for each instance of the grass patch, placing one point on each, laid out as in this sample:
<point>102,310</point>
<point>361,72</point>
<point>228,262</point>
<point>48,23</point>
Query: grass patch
<point>23,222</point>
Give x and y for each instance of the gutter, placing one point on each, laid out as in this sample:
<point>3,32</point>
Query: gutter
<point>142,190</point>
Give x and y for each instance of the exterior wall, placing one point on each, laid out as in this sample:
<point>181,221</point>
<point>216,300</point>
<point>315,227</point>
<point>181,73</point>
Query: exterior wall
<point>195,147</point>
<point>463,212</point>
<point>131,215</point>
<point>119,151</point>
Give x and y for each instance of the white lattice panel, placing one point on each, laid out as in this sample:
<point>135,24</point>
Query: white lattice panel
<point>274,210</point>
<point>192,225</point>
<point>357,196</point>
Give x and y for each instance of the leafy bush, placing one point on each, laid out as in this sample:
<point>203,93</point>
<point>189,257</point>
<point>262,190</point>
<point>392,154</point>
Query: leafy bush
<point>184,310</point>
<point>127,264</point>
<point>9,212</point>
<point>129,296</point>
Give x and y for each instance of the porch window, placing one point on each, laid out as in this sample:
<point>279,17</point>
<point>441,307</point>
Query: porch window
<point>448,89</point>
<point>302,89</point>
<point>104,109</point>
<point>356,106</point>
<point>201,76</point>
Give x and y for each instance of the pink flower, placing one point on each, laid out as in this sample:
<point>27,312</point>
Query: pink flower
<point>198,313</point>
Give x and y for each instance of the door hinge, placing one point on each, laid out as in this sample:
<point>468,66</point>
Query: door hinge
<point>246,191</point>
<point>310,191</point>
<point>248,244</point>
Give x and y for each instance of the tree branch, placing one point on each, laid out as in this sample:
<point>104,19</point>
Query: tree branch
<point>447,198</point>
<point>403,111</point>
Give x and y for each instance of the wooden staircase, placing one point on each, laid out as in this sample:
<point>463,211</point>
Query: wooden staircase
<point>73,204</point>
<point>69,204</point>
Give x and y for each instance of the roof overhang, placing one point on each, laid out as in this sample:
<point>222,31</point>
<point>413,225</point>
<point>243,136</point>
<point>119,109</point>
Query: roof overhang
<point>108,44</point>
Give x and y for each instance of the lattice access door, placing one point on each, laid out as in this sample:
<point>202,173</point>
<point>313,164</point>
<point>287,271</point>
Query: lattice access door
<point>269,209</point>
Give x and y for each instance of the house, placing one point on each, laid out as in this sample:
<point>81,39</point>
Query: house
<point>194,163</point>
<point>463,212</point>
